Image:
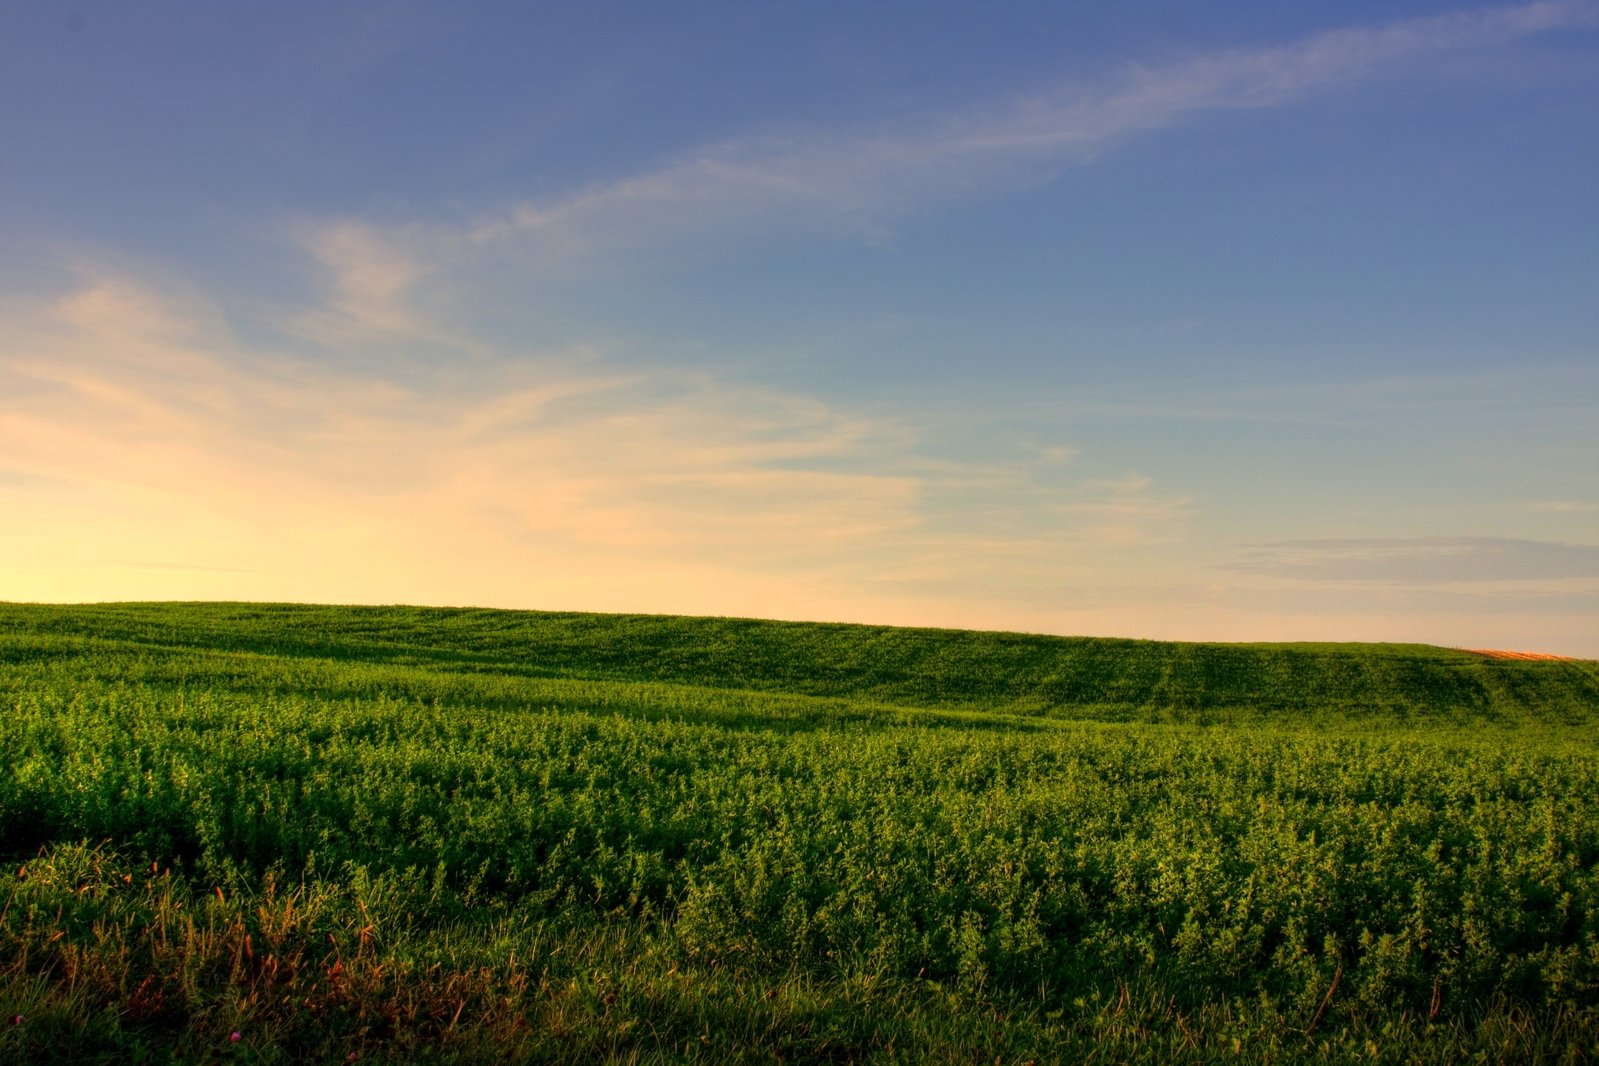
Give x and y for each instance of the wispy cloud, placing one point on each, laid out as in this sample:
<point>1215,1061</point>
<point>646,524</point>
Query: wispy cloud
<point>1288,397</point>
<point>370,273</point>
<point>1129,510</point>
<point>134,425</point>
<point>1423,560</point>
<point>146,453</point>
<point>858,179</point>
<point>1563,507</point>
<point>856,182</point>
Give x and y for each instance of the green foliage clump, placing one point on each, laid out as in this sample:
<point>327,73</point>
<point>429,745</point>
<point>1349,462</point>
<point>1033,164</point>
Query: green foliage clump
<point>415,833</point>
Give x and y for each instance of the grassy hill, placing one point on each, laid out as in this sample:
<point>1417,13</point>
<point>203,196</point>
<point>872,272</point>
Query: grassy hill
<point>1014,673</point>
<point>407,834</point>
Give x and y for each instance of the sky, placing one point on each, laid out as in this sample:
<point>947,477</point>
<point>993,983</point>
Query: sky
<point>1234,321</point>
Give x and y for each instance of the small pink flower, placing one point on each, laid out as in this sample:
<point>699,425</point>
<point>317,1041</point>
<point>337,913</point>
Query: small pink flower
<point>234,1036</point>
<point>16,1019</point>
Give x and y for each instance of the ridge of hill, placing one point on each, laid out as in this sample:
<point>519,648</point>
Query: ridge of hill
<point>1014,673</point>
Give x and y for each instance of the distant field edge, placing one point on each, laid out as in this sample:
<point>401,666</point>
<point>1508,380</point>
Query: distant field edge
<point>466,610</point>
<point>1103,678</point>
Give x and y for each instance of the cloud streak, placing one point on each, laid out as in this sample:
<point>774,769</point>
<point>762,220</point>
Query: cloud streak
<point>1423,560</point>
<point>134,426</point>
<point>855,181</point>
<point>146,454</point>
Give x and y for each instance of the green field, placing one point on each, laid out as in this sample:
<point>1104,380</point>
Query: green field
<point>404,834</point>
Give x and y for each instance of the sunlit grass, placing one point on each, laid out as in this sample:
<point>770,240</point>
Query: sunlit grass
<point>418,834</point>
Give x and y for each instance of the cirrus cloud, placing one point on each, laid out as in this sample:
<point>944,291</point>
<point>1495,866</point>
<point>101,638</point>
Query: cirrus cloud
<point>144,450</point>
<point>1422,560</point>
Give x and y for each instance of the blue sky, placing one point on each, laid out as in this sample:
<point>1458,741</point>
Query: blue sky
<point>1232,321</point>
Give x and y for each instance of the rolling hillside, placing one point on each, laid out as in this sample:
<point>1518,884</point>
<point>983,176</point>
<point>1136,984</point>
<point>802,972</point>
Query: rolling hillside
<point>293,833</point>
<point>1069,677</point>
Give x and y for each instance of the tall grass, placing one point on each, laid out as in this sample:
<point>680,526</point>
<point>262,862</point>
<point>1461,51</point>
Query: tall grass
<point>409,834</point>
